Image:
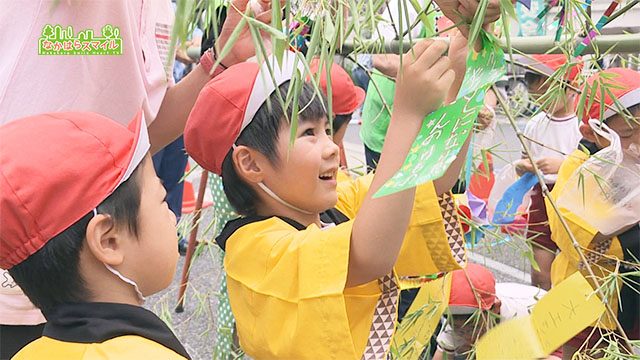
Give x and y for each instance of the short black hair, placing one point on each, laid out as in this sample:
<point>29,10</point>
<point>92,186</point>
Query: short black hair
<point>51,276</point>
<point>340,121</point>
<point>531,78</point>
<point>262,134</point>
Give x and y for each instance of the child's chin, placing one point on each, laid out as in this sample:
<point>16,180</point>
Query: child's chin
<point>331,202</point>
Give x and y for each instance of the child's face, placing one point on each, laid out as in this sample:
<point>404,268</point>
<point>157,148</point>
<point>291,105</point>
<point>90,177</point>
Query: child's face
<point>628,129</point>
<point>339,133</point>
<point>155,251</point>
<point>469,330</point>
<point>305,175</point>
<point>537,86</point>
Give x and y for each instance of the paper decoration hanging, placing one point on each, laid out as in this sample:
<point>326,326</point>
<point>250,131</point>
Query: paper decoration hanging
<point>445,130</point>
<point>507,208</point>
<point>599,25</point>
<point>561,314</point>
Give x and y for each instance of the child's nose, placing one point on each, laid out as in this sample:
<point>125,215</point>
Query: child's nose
<point>330,149</point>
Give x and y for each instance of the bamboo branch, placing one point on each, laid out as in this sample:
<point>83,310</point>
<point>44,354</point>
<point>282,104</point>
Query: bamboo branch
<point>624,43</point>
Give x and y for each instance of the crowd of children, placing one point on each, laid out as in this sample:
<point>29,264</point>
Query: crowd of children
<point>315,264</point>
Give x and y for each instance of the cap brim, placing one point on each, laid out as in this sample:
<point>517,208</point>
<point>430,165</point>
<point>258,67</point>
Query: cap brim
<point>627,100</point>
<point>140,146</point>
<point>462,309</point>
<point>272,74</point>
<point>536,65</point>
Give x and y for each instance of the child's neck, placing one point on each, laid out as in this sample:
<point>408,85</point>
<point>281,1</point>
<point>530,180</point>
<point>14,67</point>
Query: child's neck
<point>124,297</point>
<point>277,209</point>
<point>562,113</point>
<point>562,108</point>
<point>104,286</point>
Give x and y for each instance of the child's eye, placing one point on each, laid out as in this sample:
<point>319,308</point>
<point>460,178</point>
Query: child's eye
<point>329,132</point>
<point>309,132</point>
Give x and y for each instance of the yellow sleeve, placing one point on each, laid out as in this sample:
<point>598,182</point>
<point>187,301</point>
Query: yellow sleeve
<point>566,262</point>
<point>351,194</point>
<point>582,231</point>
<point>425,249</point>
<point>294,281</point>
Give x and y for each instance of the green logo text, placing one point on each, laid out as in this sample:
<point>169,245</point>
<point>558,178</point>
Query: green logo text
<point>56,40</point>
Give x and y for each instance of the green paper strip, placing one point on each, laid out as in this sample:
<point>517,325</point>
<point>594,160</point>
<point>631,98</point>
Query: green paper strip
<point>444,131</point>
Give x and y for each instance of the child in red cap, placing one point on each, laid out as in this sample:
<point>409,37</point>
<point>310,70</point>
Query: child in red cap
<point>299,260</point>
<point>553,134</point>
<point>346,97</point>
<point>618,111</point>
<point>474,289</point>
<point>86,234</point>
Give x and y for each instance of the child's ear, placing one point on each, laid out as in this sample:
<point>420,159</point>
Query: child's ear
<point>105,240</point>
<point>496,306</point>
<point>249,164</point>
<point>587,133</point>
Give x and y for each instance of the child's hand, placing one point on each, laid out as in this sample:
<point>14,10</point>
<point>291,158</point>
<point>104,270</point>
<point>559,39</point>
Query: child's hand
<point>458,51</point>
<point>424,79</point>
<point>463,11</point>
<point>387,64</point>
<point>523,166</point>
<point>549,165</point>
<point>485,118</point>
<point>244,46</point>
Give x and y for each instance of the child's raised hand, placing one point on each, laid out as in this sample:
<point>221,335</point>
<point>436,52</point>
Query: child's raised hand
<point>462,12</point>
<point>244,46</point>
<point>424,79</point>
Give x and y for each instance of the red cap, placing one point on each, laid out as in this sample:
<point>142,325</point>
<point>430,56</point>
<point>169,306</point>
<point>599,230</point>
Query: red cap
<point>465,214</point>
<point>346,97</point>
<point>550,63</point>
<point>623,84</point>
<point>55,168</point>
<point>462,300</point>
<point>228,103</point>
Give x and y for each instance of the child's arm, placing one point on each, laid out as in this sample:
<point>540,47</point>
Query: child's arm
<point>179,99</point>
<point>458,51</point>
<point>381,223</point>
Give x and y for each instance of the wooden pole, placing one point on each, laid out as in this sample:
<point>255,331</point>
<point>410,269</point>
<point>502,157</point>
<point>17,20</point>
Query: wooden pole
<point>192,241</point>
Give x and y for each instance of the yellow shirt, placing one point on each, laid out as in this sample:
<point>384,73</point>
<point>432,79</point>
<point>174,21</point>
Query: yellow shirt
<point>100,331</point>
<point>566,262</point>
<point>287,285</point>
<point>120,348</point>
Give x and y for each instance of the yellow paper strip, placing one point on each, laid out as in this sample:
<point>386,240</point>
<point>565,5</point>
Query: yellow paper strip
<point>565,311</point>
<point>413,336</point>
<point>561,314</point>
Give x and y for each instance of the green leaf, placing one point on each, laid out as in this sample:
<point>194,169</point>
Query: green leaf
<point>329,32</point>
<point>476,24</point>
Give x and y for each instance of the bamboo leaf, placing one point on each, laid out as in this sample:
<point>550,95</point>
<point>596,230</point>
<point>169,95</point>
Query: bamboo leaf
<point>476,24</point>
